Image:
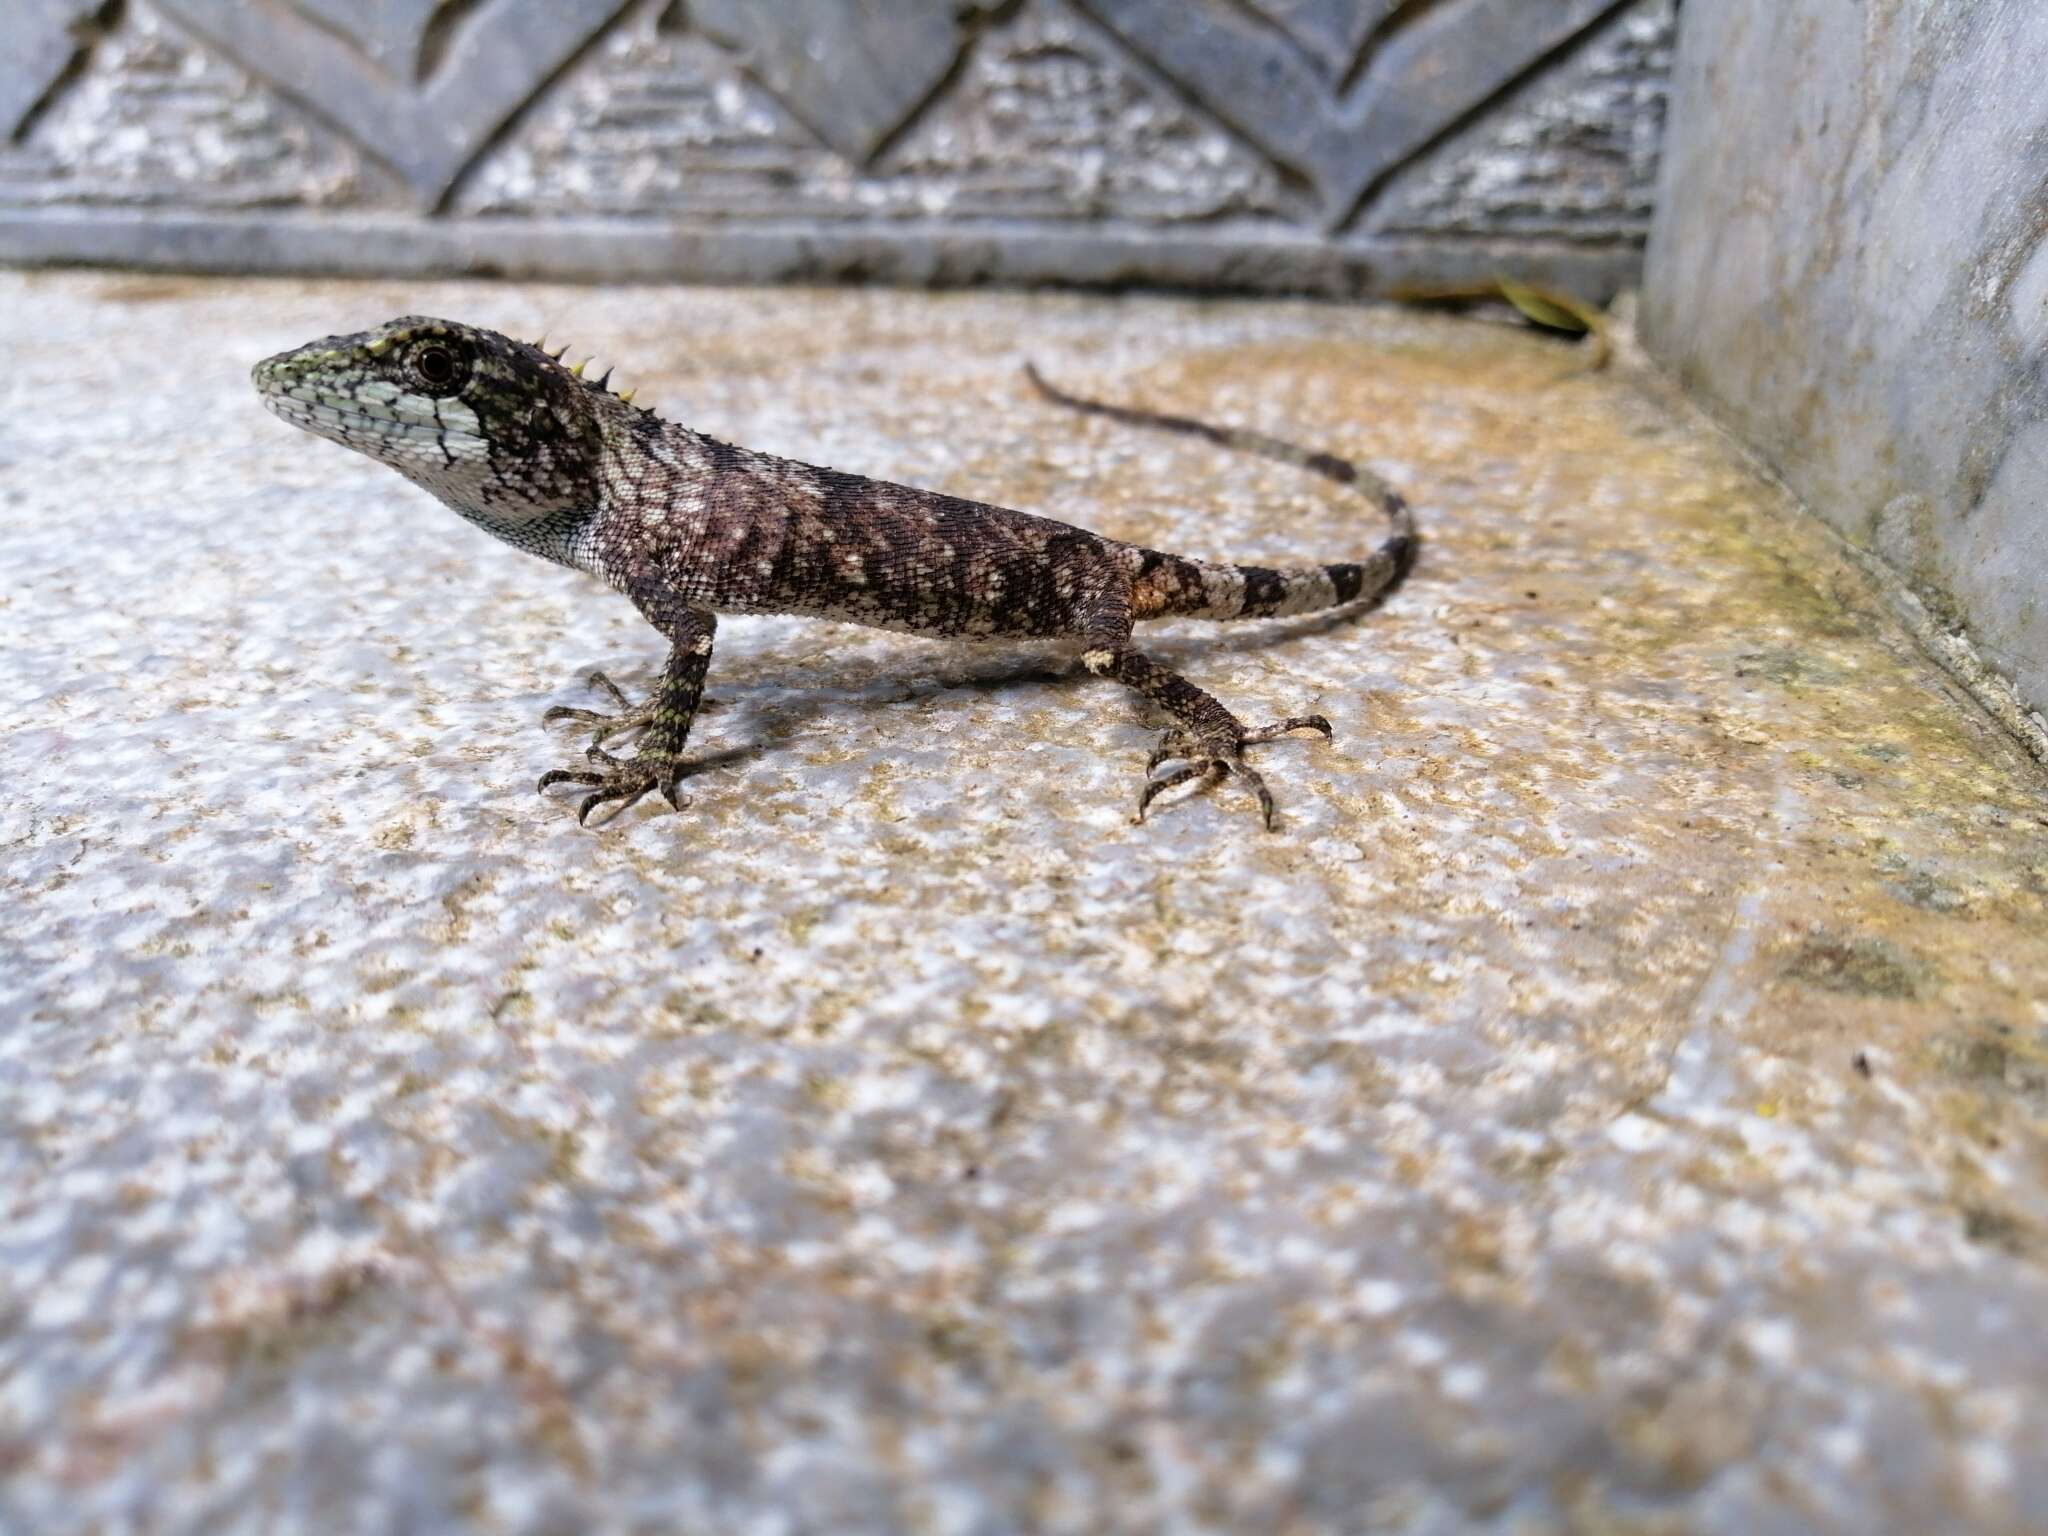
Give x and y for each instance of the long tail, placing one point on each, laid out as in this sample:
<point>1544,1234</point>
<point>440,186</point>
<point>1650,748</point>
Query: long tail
<point>1166,585</point>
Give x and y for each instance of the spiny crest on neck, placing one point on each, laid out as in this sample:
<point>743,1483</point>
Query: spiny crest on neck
<point>602,382</point>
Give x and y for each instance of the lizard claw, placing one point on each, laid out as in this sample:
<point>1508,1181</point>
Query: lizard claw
<point>621,780</point>
<point>1214,759</point>
<point>1281,728</point>
<point>1211,770</point>
<point>618,696</point>
<point>631,716</point>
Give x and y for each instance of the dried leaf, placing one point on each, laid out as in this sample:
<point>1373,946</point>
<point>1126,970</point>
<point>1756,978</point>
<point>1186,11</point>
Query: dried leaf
<point>1553,310</point>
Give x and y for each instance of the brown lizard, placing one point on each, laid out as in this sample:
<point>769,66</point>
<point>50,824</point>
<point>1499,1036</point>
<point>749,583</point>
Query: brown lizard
<point>689,527</point>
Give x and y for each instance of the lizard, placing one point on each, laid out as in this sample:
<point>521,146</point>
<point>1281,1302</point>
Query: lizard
<point>546,457</point>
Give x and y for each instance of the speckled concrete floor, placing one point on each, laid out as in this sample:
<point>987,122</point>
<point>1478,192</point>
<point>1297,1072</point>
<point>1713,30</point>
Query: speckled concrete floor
<point>1615,1099</point>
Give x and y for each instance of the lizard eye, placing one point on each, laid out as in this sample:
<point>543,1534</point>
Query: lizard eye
<point>436,367</point>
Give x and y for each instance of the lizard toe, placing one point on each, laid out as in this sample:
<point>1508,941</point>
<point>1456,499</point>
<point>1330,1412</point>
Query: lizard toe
<point>1211,756</point>
<point>620,782</point>
<point>566,776</point>
<point>1210,770</point>
<point>1286,727</point>
<point>626,793</point>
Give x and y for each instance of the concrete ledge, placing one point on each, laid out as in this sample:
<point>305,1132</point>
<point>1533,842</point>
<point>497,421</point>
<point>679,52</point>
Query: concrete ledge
<point>638,250</point>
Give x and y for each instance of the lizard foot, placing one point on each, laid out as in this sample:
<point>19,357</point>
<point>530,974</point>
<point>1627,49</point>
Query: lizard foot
<point>613,778</point>
<point>620,779</point>
<point>1213,757</point>
<point>631,716</point>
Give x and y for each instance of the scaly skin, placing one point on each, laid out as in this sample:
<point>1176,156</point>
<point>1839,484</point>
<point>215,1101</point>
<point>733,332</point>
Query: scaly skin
<point>689,527</point>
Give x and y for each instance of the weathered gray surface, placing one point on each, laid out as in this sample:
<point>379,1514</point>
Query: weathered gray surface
<point>1850,267</point>
<point>1329,144</point>
<point>902,1141</point>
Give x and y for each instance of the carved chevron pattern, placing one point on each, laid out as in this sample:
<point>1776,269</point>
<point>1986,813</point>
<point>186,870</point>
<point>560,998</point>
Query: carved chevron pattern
<point>43,38</point>
<point>1332,33</point>
<point>852,71</point>
<point>357,63</point>
<point>1337,93</point>
<point>1425,78</point>
<point>393,34</point>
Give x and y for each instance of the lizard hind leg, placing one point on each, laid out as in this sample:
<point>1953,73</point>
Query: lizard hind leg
<point>1206,740</point>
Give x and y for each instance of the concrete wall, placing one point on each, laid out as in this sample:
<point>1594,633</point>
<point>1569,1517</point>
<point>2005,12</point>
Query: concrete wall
<point>1849,265</point>
<point>1332,145</point>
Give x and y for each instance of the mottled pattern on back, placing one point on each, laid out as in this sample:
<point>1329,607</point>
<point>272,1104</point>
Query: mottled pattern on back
<point>689,527</point>
<point>745,532</point>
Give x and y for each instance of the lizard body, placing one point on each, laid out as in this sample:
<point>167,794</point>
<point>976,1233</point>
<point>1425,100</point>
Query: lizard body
<point>689,527</point>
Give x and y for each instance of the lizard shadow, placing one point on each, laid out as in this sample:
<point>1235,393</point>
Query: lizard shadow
<point>780,702</point>
<point>780,712</point>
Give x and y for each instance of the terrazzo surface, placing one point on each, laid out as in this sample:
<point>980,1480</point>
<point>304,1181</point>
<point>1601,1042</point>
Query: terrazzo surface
<point>1615,1098</point>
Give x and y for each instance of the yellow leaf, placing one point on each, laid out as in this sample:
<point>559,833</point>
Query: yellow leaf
<point>1553,310</point>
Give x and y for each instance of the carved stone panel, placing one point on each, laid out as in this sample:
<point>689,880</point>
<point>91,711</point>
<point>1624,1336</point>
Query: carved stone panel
<point>1040,121</point>
<point>421,84</point>
<point>45,37</point>
<point>1332,144</point>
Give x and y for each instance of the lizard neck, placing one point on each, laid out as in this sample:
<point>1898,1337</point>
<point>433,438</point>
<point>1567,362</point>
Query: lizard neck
<point>567,537</point>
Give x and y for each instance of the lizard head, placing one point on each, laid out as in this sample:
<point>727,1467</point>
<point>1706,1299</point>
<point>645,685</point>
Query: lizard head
<point>496,428</point>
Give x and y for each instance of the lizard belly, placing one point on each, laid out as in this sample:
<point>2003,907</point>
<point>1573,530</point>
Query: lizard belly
<point>935,610</point>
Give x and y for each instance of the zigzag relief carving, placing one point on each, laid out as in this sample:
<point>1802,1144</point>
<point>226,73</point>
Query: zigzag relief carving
<point>1426,77</point>
<point>854,71</point>
<point>1051,118</point>
<point>338,58</point>
<point>151,118</point>
<point>1331,121</point>
<point>657,122</point>
<point>1570,152</point>
<point>1332,33</point>
<point>45,38</point>
<point>1042,119</point>
<point>401,37</point>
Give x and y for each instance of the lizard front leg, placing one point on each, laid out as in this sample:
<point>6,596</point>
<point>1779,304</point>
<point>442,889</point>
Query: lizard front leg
<point>631,716</point>
<point>663,721</point>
